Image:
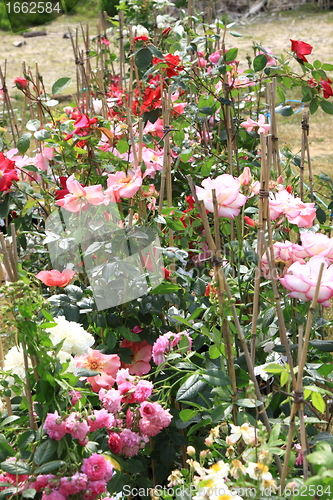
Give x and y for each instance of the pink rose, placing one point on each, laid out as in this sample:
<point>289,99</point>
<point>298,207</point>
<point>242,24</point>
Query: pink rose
<point>301,280</point>
<point>229,199</point>
<point>56,278</point>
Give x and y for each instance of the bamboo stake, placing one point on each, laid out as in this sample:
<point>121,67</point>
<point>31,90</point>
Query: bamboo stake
<point>275,139</point>
<point>298,396</point>
<point>306,150</point>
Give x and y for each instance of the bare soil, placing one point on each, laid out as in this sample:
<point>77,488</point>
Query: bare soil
<point>54,56</point>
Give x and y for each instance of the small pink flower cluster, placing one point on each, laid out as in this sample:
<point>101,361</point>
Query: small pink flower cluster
<point>294,209</point>
<point>126,435</point>
<point>165,343</point>
<point>91,482</point>
<point>143,420</point>
<point>75,425</point>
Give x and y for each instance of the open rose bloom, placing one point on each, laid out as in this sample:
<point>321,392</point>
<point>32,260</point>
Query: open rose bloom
<point>301,280</point>
<point>296,211</point>
<point>229,199</point>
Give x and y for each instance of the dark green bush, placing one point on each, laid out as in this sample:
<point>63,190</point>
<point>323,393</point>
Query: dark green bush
<point>110,6</point>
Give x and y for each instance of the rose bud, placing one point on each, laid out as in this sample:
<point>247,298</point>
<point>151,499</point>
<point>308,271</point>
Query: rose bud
<point>21,83</point>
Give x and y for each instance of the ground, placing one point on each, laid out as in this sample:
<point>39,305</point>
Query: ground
<point>55,59</point>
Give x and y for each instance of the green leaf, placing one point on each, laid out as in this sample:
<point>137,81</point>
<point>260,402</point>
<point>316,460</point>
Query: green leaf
<point>190,388</point>
<point>155,51</point>
<point>45,451</point>
<point>321,216</point>
<point>206,110</point>
<point>33,125</point>
<point>143,58</point>
<point>60,85</point>
<point>23,143</point>
<point>317,64</point>
<point>5,206</point>
<point>268,318</point>
<point>165,288</point>
<point>321,458</point>
<point>15,468</point>
<point>248,403</point>
<point>8,492</point>
<point>122,146</point>
<point>313,105</point>
<point>25,439</point>
<point>327,67</point>
<point>274,368</point>
<point>29,493</point>
<point>216,378</point>
<point>259,62</point>
<point>186,415</point>
<point>284,110</point>
<point>318,402</point>
<point>214,352</point>
<point>322,345</point>
<point>42,135</point>
<point>230,55</point>
<point>8,420</point>
<point>284,377</point>
<point>327,107</point>
<point>85,372</point>
<point>235,34</point>
<point>49,467</point>
<point>280,94</point>
<point>74,292</point>
<point>134,466</point>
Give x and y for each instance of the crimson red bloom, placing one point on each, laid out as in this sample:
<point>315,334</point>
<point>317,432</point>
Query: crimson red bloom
<point>210,289</point>
<point>115,443</point>
<point>8,173</point>
<point>301,49</point>
<point>142,38</point>
<point>173,64</point>
<point>328,91</point>
<point>249,221</point>
<point>56,278</point>
<point>82,126</point>
<point>166,31</point>
<point>289,188</point>
<point>21,83</point>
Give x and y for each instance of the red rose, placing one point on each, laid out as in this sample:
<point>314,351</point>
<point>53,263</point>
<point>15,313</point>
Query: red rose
<point>249,221</point>
<point>301,49</point>
<point>173,64</point>
<point>165,32</point>
<point>21,83</point>
<point>142,38</point>
<point>8,173</point>
<point>328,91</point>
<point>115,443</point>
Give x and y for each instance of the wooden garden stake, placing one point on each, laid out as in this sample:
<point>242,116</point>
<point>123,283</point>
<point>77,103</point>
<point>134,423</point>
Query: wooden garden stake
<point>298,395</point>
<point>306,152</point>
<point>8,105</point>
<point>273,130</point>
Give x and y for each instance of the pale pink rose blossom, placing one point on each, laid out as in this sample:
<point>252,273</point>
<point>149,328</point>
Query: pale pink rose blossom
<point>94,489</point>
<point>301,280</point>
<point>106,364</point>
<point>73,485</point>
<point>229,199</point>
<point>42,160</point>
<point>250,124</point>
<point>296,211</point>
<point>81,198</point>
<point>245,177</point>
<point>317,244</point>
<point>53,495</point>
<point>121,185</point>
<point>284,252</point>
<point>156,128</point>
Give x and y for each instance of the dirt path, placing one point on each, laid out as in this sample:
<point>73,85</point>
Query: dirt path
<point>55,59</point>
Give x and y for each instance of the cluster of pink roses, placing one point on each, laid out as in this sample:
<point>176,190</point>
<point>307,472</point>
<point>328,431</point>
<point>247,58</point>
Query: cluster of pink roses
<point>165,343</point>
<point>126,415</point>
<point>96,472</point>
<point>302,264</point>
